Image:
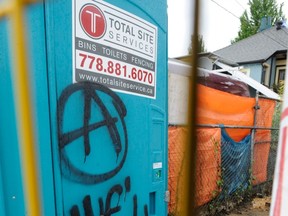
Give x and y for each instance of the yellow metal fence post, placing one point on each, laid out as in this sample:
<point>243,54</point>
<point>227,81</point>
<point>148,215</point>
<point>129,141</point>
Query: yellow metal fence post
<point>187,200</point>
<point>23,101</point>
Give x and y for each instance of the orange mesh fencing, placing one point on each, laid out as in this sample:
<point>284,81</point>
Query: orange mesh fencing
<point>177,138</point>
<point>265,113</point>
<point>208,169</point>
<point>261,150</point>
<point>217,107</point>
<point>260,162</point>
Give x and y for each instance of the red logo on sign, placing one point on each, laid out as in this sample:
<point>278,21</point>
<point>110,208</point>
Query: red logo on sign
<point>92,21</point>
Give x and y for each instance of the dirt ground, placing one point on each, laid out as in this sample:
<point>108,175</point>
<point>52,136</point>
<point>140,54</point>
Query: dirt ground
<point>258,207</point>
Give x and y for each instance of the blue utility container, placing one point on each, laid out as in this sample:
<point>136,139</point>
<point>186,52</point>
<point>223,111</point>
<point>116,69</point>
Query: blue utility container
<point>99,81</point>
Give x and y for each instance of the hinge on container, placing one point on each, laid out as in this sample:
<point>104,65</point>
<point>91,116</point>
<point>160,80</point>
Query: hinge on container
<point>167,196</point>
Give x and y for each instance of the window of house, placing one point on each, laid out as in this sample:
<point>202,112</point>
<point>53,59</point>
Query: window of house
<point>265,74</point>
<point>280,74</point>
<point>264,71</point>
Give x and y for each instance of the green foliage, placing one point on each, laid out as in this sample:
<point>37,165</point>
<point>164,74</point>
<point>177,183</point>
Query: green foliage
<point>279,88</point>
<point>276,124</point>
<point>258,10</point>
<point>201,44</point>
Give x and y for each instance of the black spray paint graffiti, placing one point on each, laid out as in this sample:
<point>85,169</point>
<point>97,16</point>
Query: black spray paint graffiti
<point>107,209</point>
<point>90,92</point>
<point>94,94</point>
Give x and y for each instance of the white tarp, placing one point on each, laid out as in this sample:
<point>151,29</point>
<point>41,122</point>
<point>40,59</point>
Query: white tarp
<point>248,80</point>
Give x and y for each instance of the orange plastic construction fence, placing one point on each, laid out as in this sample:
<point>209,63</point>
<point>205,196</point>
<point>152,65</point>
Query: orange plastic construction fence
<point>208,167</point>
<point>261,150</point>
<point>177,137</point>
<point>217,107</point>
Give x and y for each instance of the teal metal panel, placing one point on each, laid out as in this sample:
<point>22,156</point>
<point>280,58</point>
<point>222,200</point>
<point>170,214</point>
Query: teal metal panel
<point>36,42</point>
<point>109,145</point>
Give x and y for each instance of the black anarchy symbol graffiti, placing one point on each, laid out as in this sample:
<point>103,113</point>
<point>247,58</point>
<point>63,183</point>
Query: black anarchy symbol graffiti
<point>90,92</point>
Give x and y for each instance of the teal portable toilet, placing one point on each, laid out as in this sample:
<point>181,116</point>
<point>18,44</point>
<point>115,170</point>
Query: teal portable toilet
<point>99,79</point>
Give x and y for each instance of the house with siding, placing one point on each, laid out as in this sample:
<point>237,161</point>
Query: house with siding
<point>261,56</point>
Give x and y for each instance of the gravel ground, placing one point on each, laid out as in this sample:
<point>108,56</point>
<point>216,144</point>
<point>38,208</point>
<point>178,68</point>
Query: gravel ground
<point>258,207</point>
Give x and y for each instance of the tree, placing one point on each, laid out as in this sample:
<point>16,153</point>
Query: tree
<point>258,10</point>
<point>201,44</point>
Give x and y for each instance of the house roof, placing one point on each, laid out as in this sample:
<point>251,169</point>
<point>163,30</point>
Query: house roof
<point>256,48</point>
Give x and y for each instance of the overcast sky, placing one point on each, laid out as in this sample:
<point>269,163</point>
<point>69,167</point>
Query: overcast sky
<point>219,23</point>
